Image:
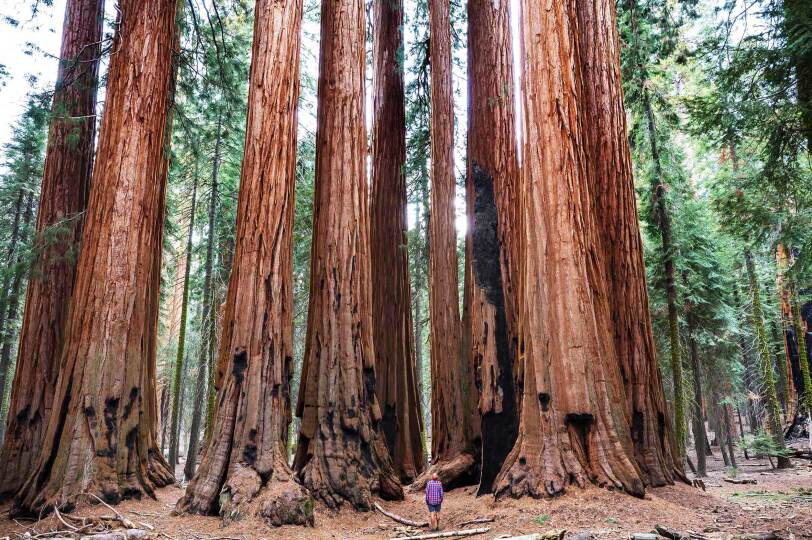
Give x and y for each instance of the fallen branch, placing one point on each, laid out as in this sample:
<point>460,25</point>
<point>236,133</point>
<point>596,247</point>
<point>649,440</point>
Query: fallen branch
<point>127,534</point>
<point>120,518</point>
<point>478,520</point>
<point>449,534</point>
<point>739,480</point>
<point>400,519</point>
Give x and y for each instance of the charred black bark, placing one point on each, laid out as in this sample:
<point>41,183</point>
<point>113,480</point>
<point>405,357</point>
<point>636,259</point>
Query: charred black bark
<point>499,428</point>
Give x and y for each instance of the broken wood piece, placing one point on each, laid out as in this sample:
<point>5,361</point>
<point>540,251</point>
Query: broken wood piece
<point>448,534</point>
<point>739,480</point>
<point>477,520</point>
<point>398,518</point>
<point>120,518</point>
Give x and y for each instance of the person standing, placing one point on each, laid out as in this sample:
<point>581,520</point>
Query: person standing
<point>434,498</point>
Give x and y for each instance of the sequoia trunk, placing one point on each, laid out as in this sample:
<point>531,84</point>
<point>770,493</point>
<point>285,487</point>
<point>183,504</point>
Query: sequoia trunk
<point>492,193</point>
<point>570,431</point>
<point>396,388</point>
<point>615,207</point>
<point>246,457</point>
<point>63,197</point>
<point>450,452</point>
<point>101,437</point>
<point>341,455</point>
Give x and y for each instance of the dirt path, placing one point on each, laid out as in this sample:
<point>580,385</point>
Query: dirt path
<point>780,502</point>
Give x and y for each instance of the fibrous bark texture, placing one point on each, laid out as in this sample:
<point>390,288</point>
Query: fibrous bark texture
<point>396,387</point>
<point>341,455</point>
<point>450,452</point>
<point>246,457</point>
<point>101,436</point>
<point>492,192</point>
<point>572,428</point>
<point>615,208</point>
<point>63,197</point>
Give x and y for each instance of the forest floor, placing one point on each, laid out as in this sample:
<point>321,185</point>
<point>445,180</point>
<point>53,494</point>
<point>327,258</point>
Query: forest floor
<point>780,502</point>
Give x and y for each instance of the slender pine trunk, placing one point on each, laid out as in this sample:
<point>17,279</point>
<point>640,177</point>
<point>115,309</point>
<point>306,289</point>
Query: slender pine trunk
<point>210,312</point>
<point>803,359</point>
<point>206,350</point>
<point>9,337</point>
<point>768,392</point>
<point>177,381</point>
<point>700,434</point>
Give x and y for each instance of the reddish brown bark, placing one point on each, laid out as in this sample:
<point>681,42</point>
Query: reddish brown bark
<point>63,197</point>
<point>246,458</point>
<point>341,456</point>
<point>102,435</point>
<point>613,197</point>
<point>492,211</point>
<point>450,450</point>
<point>396,387</point>
<point>571,431</point>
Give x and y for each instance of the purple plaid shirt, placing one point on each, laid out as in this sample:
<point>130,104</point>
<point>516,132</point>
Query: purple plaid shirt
<point>434,492</point>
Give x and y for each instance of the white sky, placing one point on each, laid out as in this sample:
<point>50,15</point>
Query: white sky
<point>46,32</point>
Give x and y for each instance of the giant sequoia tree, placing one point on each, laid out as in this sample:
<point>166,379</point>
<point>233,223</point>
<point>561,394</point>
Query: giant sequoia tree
<point>615,207</point>
<point>492,200</point>
<point>571,431</point>
<point>246,457</point>
<point>396,387</point>
<point>63,196</point>
<point>341,456</point>
<point>101,437</point>
<point>450,448</point>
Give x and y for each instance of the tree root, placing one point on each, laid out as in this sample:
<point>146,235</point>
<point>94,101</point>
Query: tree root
<point>279,501</point>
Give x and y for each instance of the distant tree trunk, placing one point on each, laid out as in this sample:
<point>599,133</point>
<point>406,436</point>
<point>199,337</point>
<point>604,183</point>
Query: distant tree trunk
<point>396,387</point>
<point>492,193</point>
<point>700,435</point>
<point>105,411</point>
<point>210,302</point>
<point>729,437</point>
<point>615,207</point>
<point>246,457</point>
<point>341,455</point>
<point>768,391</point>
<point>180,359</point>
<point>8,271</point>
<point>451,455</point>
<point>19,271</point>
<point>207,343</point>
<point>573,429</point>
<point>62,201</point>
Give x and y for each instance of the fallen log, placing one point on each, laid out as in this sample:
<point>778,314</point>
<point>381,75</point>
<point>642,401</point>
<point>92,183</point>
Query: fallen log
<point>400,519</point>
<point>739,480</point>
<point>477,521</point>
<point>448,534</point>
<point>670,533</point>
